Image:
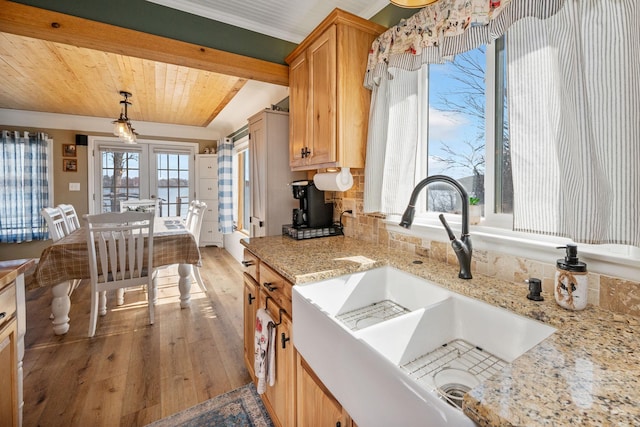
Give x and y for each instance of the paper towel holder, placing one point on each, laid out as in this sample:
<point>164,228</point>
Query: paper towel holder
<point>344,178</point>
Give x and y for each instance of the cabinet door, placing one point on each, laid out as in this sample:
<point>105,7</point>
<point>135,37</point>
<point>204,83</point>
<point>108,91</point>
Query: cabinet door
<point>208,189</point>
<point>8,373</point>
<point>316,406</point>
<point>250,308</point>
<point>281,397</point>
<point>298,109</point>
<point>322,93</point>
<point>258,177</point>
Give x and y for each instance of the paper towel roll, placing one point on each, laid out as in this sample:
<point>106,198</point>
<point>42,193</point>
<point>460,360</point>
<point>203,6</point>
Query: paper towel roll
<point>334,181</point>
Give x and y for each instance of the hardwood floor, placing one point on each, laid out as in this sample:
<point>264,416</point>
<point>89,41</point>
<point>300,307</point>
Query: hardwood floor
<point>132,373</point>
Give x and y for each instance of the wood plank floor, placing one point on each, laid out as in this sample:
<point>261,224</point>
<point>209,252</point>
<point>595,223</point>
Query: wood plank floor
<point>132,373</point>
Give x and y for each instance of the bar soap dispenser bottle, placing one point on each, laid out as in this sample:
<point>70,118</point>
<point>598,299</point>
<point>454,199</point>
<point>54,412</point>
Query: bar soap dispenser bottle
<point>571,284</point>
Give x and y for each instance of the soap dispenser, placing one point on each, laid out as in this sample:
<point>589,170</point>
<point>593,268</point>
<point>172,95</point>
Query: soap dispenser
<point>571,286</point>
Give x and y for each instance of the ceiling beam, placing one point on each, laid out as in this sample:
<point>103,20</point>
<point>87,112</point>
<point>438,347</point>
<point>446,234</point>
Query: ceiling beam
<point>57,27</point>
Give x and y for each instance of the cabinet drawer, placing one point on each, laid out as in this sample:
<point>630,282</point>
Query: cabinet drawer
<point>208,189</point>
<point>208,166</point>
<point>7,303</point>
<point>209,233</point>
<point>211,212</point>
<point>251,262</point>
<point>275,286</point>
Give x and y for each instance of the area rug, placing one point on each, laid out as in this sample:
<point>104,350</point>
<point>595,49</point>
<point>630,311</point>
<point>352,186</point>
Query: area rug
<point>239,407</point>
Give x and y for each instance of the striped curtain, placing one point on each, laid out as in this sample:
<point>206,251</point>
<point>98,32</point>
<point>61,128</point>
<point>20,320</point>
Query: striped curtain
<point>435,33</point>
<point>25,186</point>
<point>574,103</point>
<point>393,149</point>
<point>225,186</point>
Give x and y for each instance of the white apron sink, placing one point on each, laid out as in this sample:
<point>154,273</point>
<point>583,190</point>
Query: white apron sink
<point>390,345</point>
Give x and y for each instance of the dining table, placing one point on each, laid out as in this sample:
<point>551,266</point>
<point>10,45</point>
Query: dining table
<point>67,261</point>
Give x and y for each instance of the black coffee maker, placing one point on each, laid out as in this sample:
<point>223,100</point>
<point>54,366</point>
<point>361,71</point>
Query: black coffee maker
<point>313,211</point>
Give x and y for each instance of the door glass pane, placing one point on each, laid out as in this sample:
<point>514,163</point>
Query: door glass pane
<point>120,178</point>
<point>173,183</point>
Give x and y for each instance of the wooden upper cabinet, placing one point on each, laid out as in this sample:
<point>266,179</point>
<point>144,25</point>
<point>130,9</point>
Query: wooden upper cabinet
<point>329,106</point>
<point>299,102</point>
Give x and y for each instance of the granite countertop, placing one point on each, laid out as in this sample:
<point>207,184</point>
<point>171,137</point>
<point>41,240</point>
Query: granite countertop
<point>586,373</point>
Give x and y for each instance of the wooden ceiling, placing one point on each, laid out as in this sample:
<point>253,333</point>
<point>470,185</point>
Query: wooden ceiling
<point>51,62</point>
<point>86,82</point>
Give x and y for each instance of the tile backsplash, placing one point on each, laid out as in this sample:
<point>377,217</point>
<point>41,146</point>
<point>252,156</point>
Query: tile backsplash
<point>610,293</point>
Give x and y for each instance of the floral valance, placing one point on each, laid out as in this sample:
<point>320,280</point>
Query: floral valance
<point>446,28</point>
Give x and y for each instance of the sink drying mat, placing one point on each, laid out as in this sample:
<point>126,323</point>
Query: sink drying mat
<point>456,354</point>
<point>370,315</point>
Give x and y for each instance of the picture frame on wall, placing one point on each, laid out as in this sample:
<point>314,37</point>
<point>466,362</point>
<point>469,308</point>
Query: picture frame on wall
<point>69,165</point>
<point>68,150</point>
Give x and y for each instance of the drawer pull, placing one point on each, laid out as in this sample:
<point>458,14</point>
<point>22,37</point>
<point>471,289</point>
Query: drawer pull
<point>284,339</point>
<point>269,286</point>
<point>251,298</point>
<point>248,263</point>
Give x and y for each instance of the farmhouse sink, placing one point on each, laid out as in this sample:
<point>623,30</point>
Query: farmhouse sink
<point>372,296</point>
<point>411,362</point>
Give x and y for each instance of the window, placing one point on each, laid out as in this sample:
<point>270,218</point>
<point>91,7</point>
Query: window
<point>242,196</point>
<point>146,170</point>
<point>173,182</point>
<point>468,139</point>
<point>466,118</point>
<point>25,162</point>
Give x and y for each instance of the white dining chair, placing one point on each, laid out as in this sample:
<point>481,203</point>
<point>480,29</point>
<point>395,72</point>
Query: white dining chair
<point>194,225</point>
<point>58,228</point>
<point>56,223</point>
<point>139,205</point>
<point>120,256</point>
<point>70,217</point>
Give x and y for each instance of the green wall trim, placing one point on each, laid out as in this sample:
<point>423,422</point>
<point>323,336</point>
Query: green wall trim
<point>151,18</point>
<point>239,134</point>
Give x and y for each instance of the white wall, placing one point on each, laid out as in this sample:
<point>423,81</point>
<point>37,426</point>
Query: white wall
<point>233,246</point>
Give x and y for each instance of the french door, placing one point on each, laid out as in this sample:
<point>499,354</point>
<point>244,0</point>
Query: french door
<point>143,171</point>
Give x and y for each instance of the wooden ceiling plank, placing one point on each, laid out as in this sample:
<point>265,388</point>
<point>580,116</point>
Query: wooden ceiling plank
<point>34,22</point>
<point>229,95</point>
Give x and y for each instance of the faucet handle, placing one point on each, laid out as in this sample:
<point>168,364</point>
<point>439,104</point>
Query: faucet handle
<point>446,226</point>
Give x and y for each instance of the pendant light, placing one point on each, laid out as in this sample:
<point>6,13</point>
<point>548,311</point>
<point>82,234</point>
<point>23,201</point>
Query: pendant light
<point>413,4</point>
<point>122,126</point>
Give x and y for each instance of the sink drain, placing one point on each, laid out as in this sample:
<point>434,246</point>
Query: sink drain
<point>453,393</point>
<point>452,384</point>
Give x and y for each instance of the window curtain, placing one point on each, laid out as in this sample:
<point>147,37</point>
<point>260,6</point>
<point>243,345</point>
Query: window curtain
<point>574,98</point>
<point>25,186</point>
<point>432,35</point>
<point>225,186</point>
<point>396,144</point>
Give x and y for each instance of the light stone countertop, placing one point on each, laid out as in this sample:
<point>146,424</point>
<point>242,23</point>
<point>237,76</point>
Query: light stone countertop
<point>586,373</point>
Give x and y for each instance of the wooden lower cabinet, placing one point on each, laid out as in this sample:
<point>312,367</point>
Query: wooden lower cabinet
<point>280,399</point>
<point>298,397</point>
<point>316,405</point>
<point>250,306</point>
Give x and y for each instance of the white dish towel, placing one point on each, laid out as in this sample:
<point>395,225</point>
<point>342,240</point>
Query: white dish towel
<point>265,352</point>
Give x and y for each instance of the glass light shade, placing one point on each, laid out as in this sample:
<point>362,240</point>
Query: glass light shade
<point>119,127</point>
<point>412,3</point>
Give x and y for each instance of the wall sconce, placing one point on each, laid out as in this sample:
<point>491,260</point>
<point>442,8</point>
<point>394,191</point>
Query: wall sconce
<point>412,3</point>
